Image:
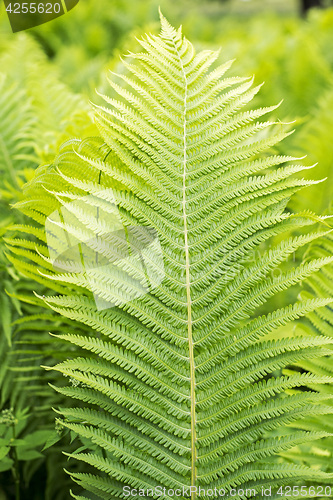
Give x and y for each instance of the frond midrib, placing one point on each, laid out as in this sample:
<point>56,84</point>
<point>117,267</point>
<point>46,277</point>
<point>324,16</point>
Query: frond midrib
<point>188,288</point>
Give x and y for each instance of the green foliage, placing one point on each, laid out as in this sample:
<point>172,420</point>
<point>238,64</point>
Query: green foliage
<point>34,117</point>
<point>314,141</point>
<point>40,108</point>
<point>319,323</point>
<point>176,386</point>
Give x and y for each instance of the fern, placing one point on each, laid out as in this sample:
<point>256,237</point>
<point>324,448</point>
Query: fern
<point>319,323</point>
<point>177,387</point>
<point>312,141</point>
<point>34,117</point>
<point>56,113</point>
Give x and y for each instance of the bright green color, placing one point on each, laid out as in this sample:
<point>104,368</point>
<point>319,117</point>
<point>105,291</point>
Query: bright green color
<point>175,389</point>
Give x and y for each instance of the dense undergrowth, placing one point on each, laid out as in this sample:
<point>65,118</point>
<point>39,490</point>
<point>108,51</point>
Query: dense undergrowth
<point>47,77</point>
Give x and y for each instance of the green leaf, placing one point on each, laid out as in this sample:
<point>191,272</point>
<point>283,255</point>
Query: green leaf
<point>4,451</point>
<point>19,442</point>
<point>28,454</point>
<point>6,464</point>
<point>38,438</point>
<point>6,317</point>
<point>52,439</point>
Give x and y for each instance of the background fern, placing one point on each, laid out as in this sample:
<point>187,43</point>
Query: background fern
<point>31,125</point>
<point>319,323</point>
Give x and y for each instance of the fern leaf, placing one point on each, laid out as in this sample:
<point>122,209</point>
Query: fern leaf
<point>177,387</point>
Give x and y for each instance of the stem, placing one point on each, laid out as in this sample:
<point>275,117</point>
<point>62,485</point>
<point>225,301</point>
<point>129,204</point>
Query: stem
<point>188,297</point>
<point>16,470</point>
<point>99,182</point>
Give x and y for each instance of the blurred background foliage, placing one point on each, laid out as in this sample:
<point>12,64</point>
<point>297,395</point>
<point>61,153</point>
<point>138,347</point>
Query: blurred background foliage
<point>48,75</point>
<point>268,39</point>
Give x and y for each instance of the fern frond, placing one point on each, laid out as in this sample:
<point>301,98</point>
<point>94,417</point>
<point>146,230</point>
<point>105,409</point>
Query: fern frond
<point>150,229</point>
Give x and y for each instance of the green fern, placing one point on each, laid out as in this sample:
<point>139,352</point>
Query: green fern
<point>56,112</point>
<point>34,117</point>
<point>177,387</point>
<point>320,323</point>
